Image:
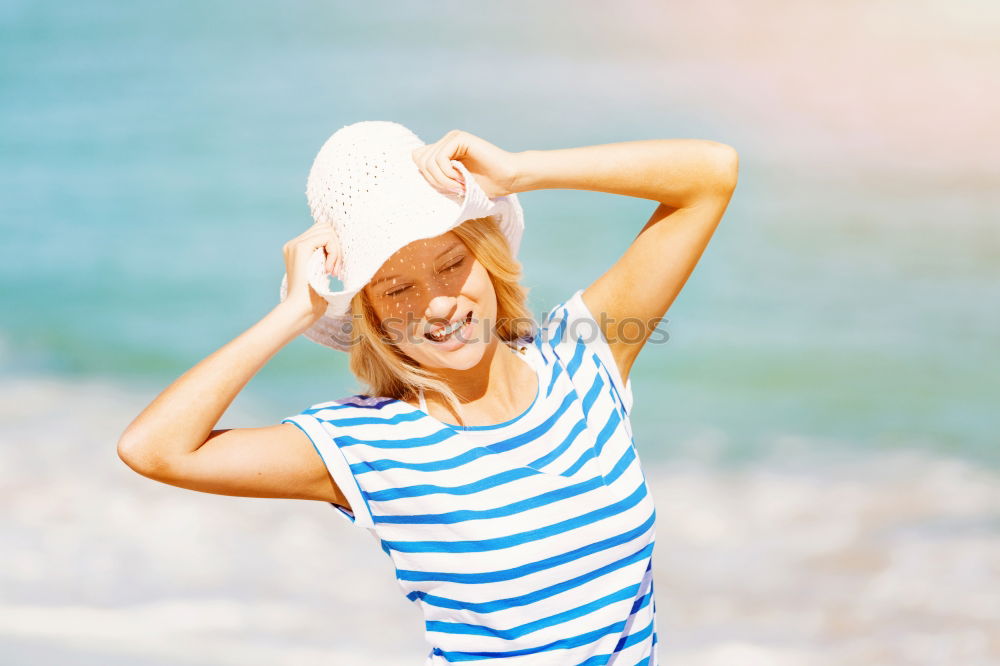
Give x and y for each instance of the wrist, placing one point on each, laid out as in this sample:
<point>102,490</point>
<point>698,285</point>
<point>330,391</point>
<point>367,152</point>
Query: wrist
<point>525,177</point>
<point>292,317</point>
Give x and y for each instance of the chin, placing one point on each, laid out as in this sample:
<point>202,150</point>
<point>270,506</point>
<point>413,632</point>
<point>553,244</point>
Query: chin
<point>465,358</point>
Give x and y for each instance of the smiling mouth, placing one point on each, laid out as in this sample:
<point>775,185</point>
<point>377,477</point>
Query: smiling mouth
<point>443,333</point>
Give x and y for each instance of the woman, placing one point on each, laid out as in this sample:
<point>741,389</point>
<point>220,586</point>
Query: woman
<point>492,457</point>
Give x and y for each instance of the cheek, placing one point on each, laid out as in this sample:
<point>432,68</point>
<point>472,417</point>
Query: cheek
<point>395,326</point>
<point>391,311</point>
<point>486,295</point>
<point>479,281</point>
<point>398,323</point>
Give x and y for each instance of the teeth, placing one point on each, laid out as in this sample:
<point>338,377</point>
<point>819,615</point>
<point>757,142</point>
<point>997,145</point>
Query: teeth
<point>443,333</point>
<point>448,330</point>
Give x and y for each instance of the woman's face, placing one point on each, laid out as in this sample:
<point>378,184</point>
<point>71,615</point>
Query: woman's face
<point>436,284</point>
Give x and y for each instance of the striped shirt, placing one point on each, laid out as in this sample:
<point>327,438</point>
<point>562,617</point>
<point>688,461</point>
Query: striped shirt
<point>525,542</point>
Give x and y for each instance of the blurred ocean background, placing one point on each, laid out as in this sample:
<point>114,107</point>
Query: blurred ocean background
<point>819,432</point>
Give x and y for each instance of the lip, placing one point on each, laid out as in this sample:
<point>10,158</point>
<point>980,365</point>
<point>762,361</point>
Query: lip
<point>462,331</point>
<point>437,327</point>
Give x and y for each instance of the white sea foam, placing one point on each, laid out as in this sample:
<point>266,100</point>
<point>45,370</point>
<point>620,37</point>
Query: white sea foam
<point>890,559</point>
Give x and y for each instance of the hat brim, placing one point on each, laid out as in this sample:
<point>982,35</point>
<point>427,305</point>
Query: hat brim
<point>335,328</point>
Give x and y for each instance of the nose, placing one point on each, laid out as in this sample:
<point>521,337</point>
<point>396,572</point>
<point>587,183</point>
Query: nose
<point>441,307</point>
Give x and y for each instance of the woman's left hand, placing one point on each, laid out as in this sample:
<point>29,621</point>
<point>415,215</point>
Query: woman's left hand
<point>493,168</point>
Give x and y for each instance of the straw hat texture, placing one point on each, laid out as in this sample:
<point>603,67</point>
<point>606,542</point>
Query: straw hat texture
<point>365,183</point>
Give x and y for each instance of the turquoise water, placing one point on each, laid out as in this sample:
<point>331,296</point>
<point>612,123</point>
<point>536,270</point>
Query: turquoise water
<point>154,160</point>
<point>818,432</point>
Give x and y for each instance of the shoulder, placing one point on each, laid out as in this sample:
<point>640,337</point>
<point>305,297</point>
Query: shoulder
<point>568,320</point>
<point>571,333</point>
<point>353,403</point>
<point>357,409</point>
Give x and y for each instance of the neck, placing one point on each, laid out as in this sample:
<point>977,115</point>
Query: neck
<point>492,381</point>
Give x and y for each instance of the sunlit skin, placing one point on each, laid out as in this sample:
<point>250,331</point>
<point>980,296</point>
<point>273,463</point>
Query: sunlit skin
<point>437,281</point>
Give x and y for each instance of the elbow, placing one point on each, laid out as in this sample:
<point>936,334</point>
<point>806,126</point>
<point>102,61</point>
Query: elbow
<point>138,458</point>
<point>727,167</point>
<point>130,454</point>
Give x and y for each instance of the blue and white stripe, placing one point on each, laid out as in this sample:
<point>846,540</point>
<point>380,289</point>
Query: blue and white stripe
<point>529,541</point>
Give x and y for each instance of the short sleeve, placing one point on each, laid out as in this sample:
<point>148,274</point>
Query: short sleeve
<point>319,432</point>
<point>571,324</point>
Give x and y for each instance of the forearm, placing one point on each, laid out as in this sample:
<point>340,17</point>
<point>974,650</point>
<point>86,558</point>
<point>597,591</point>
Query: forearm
<point>676,172</point>
<point>183,416</point>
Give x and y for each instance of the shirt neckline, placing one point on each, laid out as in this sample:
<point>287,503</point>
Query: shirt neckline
<point>529,349</point>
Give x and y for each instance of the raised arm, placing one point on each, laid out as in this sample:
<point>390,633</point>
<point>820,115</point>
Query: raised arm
<point>693,181</point>
<point>172,440</point>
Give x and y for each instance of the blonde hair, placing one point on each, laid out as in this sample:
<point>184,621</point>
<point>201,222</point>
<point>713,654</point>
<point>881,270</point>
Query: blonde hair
<point>391,373</point>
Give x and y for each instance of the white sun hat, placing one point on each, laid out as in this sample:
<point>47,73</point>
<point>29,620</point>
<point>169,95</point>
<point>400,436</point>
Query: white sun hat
<point>365,183</point>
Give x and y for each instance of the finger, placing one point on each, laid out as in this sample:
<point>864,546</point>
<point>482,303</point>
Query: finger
<point>332,248</point>
<point>454,176</point>
<point>454,153</point>
<point>429,169</point>
<point>332,253</point>
<point>457,152</point>
<point>440,166</point>
<point>314,237</point>
<point>422,165</point>
<point>307,243</point>
<point>433,160</point>
<point>444,159</point>
<point>318,229</point>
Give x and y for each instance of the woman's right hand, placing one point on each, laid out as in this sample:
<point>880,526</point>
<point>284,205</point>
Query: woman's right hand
<point>297,253</point>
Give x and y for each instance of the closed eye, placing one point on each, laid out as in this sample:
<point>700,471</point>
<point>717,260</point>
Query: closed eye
<point>450,267</point>
<point>396,292</point>
<point>454,265</point>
